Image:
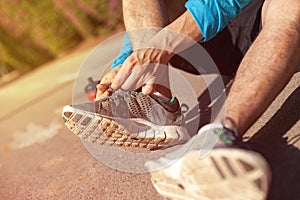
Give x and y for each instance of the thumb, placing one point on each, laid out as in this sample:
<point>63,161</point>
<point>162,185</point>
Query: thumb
<point>101,91</point>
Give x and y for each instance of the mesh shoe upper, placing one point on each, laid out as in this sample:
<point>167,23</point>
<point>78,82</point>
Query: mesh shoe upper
<point>135,105</point>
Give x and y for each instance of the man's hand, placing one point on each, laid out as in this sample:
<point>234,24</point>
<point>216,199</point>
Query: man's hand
<point>147,67</point>
<point>102,88</point>
<point>143,68</point>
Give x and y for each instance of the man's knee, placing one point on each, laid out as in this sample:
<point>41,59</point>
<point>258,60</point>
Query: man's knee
<point>283,14</point>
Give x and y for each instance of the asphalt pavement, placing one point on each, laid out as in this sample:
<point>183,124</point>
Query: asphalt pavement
<point>41,159</point>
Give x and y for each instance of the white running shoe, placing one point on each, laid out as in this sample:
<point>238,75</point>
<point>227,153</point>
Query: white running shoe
<point>221,171</point>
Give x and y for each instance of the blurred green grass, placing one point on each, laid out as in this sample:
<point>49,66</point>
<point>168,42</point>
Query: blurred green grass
<point>34,32</point>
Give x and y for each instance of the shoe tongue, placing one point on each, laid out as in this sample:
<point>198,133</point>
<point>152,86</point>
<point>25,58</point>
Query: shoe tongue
<point>171,105</point>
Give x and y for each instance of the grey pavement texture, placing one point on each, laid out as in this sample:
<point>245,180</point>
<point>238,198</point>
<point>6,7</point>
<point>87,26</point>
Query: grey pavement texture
<point>41,159</point>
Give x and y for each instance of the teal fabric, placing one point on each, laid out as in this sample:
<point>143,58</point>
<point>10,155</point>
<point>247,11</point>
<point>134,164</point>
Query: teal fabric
<point>212,16</point>
<point>125,51</point>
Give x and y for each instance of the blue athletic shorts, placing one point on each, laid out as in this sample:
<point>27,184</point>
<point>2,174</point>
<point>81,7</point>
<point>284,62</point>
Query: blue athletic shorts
<point>230,45</point>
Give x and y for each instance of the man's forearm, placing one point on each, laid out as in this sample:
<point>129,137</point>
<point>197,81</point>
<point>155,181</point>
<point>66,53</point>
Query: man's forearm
<point>186,25</point>
<point>144,14</point>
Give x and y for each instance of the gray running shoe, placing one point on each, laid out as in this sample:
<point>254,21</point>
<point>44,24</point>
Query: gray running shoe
<point>127,119</point>
<point>222,171</point>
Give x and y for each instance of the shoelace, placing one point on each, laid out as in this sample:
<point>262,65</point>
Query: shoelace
<point>115,96</point>
<point>229,133</point>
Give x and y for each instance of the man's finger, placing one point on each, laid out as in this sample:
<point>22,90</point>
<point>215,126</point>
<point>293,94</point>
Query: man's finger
<point>148,88</point>
<point>122,75</point>
<point>102,87</point>
<point>101,91</point>
<point>136,79</point>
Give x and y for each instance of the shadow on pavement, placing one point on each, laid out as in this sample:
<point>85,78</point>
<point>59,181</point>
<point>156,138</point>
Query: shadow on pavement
<point>280,150</point>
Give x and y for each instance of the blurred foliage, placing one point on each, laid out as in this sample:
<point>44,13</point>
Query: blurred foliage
<point>33,32</point>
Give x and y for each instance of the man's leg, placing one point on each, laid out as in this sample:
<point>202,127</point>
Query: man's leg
<point>268,65</point>
<point>151,13</point>
<point>144,14</point>
<point>225,171</point>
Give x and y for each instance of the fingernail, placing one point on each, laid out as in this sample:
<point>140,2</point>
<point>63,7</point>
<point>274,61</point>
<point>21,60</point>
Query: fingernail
<point>114,86</point>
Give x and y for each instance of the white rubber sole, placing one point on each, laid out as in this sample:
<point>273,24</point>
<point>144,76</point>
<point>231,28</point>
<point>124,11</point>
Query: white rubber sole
<point>226,173</point>
<point>94,128</point>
